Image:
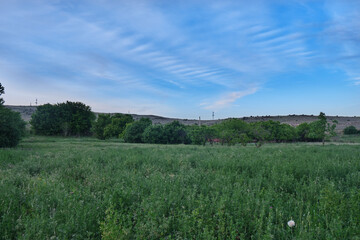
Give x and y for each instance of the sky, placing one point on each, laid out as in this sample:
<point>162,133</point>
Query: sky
<point>184,59</point>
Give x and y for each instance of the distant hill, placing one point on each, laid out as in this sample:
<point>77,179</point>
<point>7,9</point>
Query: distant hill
<point>293,120</point>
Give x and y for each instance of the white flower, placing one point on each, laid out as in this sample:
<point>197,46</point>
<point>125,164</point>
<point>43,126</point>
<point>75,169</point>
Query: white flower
<point>291,223</point>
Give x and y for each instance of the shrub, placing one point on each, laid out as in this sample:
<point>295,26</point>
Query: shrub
<point>99,125</point>
<point>302,131</point>
<point>133,132</point>
<point>285,133</point>
<point>154,134</point>
<point>201,134</point>
<point>47,120</point>
<point>350,130</point>
<point>244,139</point>
<point>12,127</point>
<point>77,118</point>
<point>176,133</point>
<point>259,134</point>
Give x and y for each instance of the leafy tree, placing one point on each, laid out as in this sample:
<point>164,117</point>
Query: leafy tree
<point>316,131</point>
<point>350,130</point>
<point>107,126</point>
<point>273,129</point>
<point>117,125</point>
<point>228,136</point>
<point>70,118</point>
<point>2,91</point>
<point>154,134</point>
<point>201,134</point>
<point>285,133</point>
<point>330,130</point>
<point>229,131</point>
<point>99,125</point>
<point>302,131</point>
<point>321,130</point>
<point>133,132</point>
<point>176,133</point>
<point>259,134</point>
<point>77,118</point>
<point>244,139</point>
<point>47,120</point>
<point>12,127</point>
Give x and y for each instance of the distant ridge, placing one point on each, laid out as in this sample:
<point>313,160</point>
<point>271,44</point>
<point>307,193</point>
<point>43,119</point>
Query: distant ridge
<point>293,120</point>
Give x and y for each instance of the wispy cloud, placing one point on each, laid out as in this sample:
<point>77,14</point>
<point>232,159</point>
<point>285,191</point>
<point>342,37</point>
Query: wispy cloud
<point>229,98</point>
<point>171,51</point>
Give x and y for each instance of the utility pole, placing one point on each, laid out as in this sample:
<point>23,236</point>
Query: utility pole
<point>36,102</point>
<point>213,115</point>
<point>199,121</point>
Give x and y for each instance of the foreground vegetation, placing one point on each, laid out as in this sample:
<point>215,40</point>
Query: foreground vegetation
<point>83,188</point>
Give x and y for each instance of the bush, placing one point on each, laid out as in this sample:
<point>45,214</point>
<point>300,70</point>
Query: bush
<point>107,126</point>
<point>100,124</point>
<point>302,131</point>
<point>199,135</point>
<point>176,133</point>
<point>350,130</point>
<point>12,127</point>
<point>47,120</point>
<point>77,118</point>
<point>285,133</point>
<point>154,134</point>
<point>133,132</point>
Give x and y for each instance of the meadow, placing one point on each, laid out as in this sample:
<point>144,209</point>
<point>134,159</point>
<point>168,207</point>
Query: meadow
<point>84,188</point>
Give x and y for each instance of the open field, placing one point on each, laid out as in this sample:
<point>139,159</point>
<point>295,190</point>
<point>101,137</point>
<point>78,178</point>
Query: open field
<point>293,120</point>
<point>83,188</point>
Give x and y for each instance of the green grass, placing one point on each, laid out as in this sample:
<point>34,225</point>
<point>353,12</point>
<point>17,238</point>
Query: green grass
<point>83,188</point>
<point>348,138</point>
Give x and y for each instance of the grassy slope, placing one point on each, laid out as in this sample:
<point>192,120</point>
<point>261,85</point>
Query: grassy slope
<point>70,188</point>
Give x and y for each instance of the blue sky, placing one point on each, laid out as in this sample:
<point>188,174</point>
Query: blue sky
<point>184,58</point>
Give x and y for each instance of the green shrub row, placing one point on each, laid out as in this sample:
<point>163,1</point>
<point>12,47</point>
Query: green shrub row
<point>230,132</point>
<point>77,119</point>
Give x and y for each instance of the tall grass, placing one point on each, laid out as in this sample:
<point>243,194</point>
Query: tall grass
<point>82,188</point>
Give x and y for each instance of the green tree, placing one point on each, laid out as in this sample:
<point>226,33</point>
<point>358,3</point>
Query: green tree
<point>70,118</point>
<point>2,91</point>
<point>154,134</point>
<point>12,127</point>
<point>199,135</point>
<point>77,118</point>
<point>176,133</point>
<point>117,125</point>
<point>259,134</point>
<point>302,131</point>
<point>285,133</point>
<point>230,130</point>
<point>99,125</point>
<point>47,120</point>
<point>133,132</point>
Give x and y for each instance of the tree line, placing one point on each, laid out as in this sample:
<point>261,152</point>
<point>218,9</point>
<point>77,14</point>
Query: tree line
<point>77,119</point>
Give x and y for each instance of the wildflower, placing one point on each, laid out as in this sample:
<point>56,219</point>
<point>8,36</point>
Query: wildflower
<point>291,223</point>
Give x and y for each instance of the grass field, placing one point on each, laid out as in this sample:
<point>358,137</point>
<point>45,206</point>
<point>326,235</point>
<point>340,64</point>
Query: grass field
<point>83,188</point>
